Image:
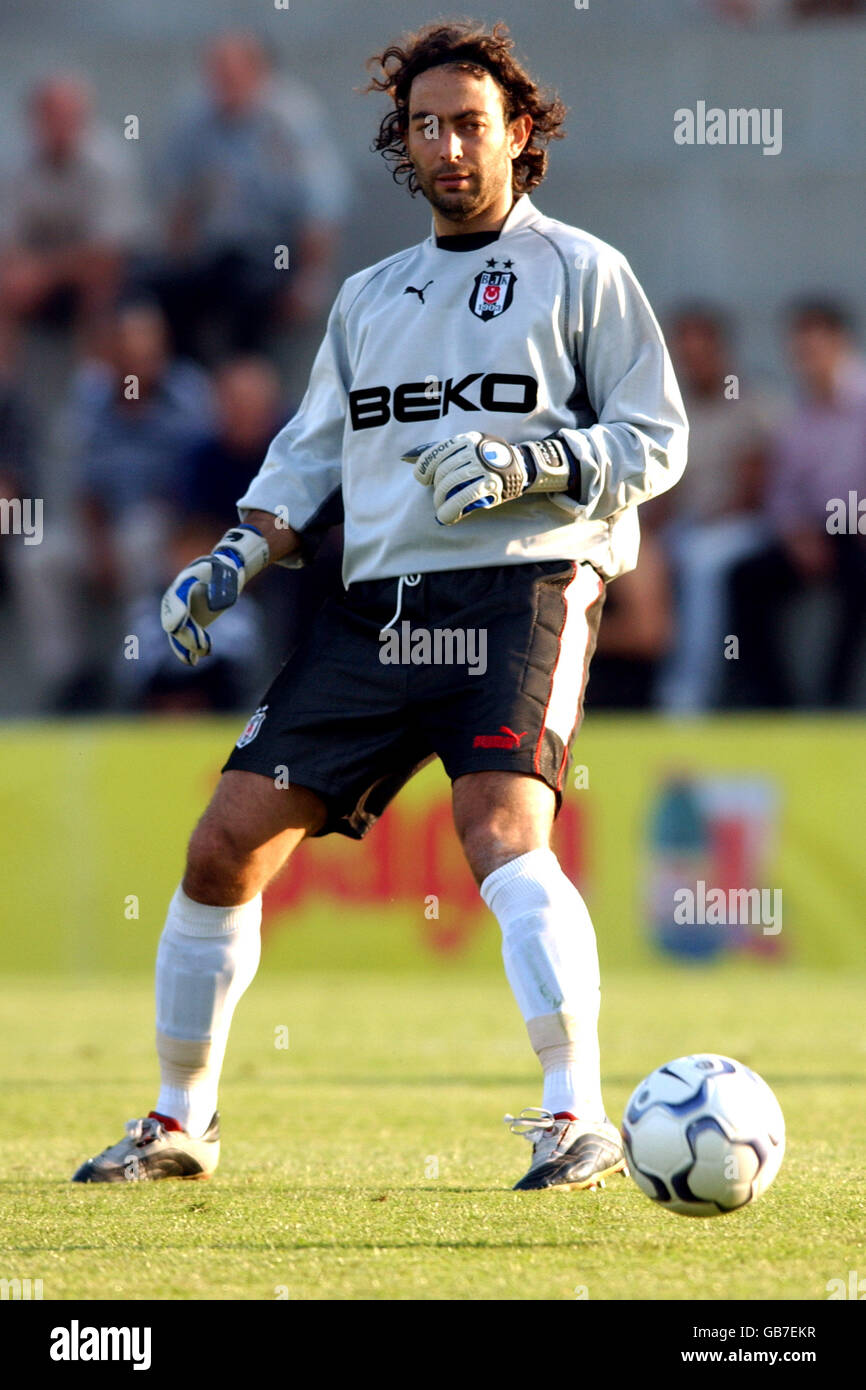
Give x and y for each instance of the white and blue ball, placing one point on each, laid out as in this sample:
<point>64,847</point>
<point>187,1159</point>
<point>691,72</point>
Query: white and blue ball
<point>703,1135</point>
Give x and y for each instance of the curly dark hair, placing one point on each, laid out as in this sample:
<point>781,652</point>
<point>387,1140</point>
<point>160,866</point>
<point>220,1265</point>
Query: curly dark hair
<point>469,46</point>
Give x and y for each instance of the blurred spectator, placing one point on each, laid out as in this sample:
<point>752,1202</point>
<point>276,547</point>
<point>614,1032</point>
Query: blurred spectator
<point>819,454</point>
<point>248,169</point>
<point>70,219</point>
<point>635,633</point>
<point>249,412</point>
<point>133,419</point>
<point>713,518</point>
<point>148,676</point>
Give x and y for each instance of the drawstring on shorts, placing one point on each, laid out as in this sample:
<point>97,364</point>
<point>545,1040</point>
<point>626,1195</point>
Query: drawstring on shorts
<point>411,580</point>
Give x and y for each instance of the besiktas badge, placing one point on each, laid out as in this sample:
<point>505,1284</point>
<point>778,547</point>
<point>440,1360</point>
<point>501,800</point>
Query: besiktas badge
<point>492,293</point>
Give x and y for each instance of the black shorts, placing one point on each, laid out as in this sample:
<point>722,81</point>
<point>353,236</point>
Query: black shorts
<point>485,669</point>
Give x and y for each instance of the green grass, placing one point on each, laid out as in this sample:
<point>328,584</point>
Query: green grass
<point>326,1186</point>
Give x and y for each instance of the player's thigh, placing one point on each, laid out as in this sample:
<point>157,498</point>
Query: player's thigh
<point>501,815</point>
<point>253,817</point>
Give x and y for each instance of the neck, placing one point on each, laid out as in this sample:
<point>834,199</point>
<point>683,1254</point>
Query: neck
<point>491,219</point>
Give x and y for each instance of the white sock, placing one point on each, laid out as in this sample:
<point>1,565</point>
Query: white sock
<point>206,959</point>
<point>551,960</point>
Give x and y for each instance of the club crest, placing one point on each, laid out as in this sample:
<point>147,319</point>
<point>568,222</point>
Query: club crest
<point>253,727</point>
<point>492,293</point>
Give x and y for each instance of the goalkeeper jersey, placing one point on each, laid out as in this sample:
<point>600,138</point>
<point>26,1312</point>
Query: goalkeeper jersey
<point>542,332</point>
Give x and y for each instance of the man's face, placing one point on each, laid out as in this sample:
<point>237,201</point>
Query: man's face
<point>141,345</point>
<point>817,352</point>
<point>60,113</point>
<point>459,143</point>
<point>248,400</point>
<point>698,350</point>
<point>235,71</point>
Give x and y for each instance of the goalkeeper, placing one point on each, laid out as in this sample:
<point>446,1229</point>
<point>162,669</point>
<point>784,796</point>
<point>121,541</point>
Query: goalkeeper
<point>486,411</point>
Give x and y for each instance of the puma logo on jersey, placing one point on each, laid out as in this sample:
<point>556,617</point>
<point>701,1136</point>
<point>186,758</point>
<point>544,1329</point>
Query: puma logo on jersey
<point>506,738</point>
<point>410,289</point>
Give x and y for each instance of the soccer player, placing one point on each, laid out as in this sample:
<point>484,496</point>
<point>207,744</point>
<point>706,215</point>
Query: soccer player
<point>488,407</point>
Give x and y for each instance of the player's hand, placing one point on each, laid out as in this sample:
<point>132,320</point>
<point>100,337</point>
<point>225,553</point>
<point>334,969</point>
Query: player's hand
<point>207,586</point>
<point>471,470</point>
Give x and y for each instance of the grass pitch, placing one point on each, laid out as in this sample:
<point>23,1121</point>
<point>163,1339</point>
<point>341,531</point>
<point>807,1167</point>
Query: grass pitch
<point>367,1160</point>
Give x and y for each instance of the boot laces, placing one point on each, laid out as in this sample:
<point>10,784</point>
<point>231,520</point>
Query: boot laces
<point>532,1123</point>
<point>144,1131</point>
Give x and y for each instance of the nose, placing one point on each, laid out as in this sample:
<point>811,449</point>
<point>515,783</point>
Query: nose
<point>452,147</point>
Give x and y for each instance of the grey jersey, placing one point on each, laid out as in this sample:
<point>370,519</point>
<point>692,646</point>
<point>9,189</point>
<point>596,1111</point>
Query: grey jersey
<point>544,331</point>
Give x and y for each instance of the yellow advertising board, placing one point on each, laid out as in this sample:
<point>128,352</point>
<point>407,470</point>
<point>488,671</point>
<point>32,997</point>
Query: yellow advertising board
<point>96,816</point>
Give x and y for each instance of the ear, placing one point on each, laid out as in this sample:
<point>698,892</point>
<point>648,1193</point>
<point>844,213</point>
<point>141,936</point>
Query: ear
<point>518,134</point>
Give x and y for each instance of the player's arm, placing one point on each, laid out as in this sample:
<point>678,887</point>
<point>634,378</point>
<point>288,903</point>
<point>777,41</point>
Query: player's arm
<point>637,447</point>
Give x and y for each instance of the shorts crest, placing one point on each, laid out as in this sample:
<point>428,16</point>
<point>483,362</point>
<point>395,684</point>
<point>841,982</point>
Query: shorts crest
<point>252,727</point>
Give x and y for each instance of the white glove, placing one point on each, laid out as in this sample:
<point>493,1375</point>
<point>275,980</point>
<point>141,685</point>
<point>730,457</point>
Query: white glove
<point>207,586</point>
<point>475,470</point>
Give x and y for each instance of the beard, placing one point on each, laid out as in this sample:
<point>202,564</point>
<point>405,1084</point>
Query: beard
<point>460,205</point>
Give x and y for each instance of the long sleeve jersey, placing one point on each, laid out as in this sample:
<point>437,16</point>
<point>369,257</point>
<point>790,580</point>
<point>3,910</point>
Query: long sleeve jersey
<point>543,332</point>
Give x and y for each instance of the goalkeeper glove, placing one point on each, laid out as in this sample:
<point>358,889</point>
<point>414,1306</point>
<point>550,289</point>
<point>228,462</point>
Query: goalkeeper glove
<point>480,470</point>
<point>207,586</point>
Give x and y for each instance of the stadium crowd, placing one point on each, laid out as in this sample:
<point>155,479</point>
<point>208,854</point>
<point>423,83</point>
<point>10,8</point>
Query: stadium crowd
<point>147,327</point>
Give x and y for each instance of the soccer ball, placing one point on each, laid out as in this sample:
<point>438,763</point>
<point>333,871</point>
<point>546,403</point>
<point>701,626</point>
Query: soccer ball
<point>703,1135</point>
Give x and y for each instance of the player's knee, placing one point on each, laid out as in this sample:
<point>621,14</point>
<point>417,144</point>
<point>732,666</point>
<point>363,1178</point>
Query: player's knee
<point>494,840</point>
<point>217,866</point>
